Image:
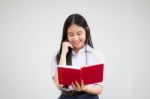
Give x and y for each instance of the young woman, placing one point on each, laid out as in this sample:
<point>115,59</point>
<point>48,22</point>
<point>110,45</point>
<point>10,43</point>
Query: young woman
<point>77,49</point>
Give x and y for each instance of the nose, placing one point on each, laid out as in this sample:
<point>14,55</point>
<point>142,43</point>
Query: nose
<point>75,38</point>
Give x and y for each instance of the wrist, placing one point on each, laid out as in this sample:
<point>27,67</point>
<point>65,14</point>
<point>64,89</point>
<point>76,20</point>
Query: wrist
<point>62,59</point>
<point>63,53</point>
<point>62,56</point>
<point>85,89</point>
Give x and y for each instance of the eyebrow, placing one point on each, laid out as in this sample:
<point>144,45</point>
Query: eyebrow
<point>73,33</point>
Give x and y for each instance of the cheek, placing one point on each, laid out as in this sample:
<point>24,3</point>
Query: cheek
<point>83,38</point>
<point>69,39</point>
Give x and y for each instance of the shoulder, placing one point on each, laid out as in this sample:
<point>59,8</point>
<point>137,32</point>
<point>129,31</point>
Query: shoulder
<point>54,54</point>
<point>53,57</point>
<point>53,63</point>
<point>94,51</point>
<point>96,55</point>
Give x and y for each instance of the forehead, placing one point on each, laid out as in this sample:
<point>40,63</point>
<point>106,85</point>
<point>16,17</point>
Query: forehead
<point>75,28</point>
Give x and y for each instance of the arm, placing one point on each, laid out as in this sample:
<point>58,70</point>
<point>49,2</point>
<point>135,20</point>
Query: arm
<point>95,89</point>
<point>64,52</point>
<point>55,78</point>
<point>62,61</point>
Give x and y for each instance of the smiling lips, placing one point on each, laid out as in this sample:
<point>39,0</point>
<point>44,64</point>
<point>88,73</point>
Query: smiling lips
<point>76,43</point>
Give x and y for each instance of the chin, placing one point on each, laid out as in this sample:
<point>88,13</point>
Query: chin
<point>78,47</point>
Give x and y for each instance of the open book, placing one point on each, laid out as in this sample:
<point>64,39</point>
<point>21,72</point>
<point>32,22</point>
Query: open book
<point>89,74</point>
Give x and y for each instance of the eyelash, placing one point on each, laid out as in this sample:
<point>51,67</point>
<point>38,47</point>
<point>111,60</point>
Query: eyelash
<point>73,35</point>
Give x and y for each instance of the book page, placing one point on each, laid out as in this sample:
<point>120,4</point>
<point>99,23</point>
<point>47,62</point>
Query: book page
<point>69,66</point>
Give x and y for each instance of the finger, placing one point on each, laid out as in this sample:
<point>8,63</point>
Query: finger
<point>73,85</point>
<point>82,83</point>
<point>60,86</point>
<point>77,84</point>
<point>70,45</point>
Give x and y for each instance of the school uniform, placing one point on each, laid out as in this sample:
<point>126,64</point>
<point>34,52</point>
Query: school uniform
<point>85,56</point>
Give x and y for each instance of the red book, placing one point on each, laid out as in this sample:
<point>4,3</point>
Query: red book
<point>89,74</point>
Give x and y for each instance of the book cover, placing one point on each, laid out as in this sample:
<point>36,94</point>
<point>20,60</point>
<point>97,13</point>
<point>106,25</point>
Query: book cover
<point>89,74</point>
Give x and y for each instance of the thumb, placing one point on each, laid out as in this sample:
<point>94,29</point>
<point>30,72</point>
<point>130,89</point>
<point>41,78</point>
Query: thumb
<point>60,86</point>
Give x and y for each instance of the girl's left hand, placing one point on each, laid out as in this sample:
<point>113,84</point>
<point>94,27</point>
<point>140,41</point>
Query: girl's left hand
<point>77,86</point>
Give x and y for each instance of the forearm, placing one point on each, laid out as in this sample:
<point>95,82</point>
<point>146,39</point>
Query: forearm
<point>64,52</point>
<point>56,81</point>
<point>62,59</point>
<point>61,62</point>
<point>55,78</point>
<point>96,89</point>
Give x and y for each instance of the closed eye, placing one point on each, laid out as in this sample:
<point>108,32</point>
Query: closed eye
<point>70,35</point>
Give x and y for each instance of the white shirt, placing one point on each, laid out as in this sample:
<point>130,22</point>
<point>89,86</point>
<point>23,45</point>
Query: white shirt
<point>85,56</point>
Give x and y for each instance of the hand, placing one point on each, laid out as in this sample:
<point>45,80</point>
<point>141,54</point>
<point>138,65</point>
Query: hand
<point>77,86</point>
<point>55,79</point>
<point>59,86</point>
<point>65,46</point>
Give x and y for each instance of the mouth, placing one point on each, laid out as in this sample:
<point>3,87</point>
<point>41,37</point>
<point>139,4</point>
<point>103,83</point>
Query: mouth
<point>76,43</point>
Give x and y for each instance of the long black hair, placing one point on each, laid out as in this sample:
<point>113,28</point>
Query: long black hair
<point>80,21</point>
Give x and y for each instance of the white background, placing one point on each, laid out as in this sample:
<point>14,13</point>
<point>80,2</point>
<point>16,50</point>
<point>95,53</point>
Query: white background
<point>30,32</point>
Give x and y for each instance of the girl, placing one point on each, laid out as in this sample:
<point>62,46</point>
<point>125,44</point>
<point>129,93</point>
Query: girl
<point>77,49</point>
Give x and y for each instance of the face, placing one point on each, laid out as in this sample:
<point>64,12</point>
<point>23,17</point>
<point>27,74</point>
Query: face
<point>76,36</point>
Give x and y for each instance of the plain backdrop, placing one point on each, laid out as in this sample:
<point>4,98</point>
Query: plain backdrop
<point>31,30</point>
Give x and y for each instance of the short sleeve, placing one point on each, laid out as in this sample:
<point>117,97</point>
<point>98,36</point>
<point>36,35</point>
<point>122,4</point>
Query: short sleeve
<point>99,58</point>
<point>53,65</point>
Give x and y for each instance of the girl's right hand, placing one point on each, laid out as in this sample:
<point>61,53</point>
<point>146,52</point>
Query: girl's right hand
<point>65,46</point>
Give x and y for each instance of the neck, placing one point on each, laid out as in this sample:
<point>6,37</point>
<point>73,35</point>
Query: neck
<point>76,51</point>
